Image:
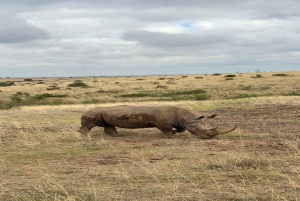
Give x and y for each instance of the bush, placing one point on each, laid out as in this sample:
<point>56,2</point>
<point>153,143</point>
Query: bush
<point>28,80</point>
<point>281,74</point>
<point>79,83</point>
<point>6,84</point>
<point>216,74</point>
<point>257,76</point>
<point>161,86</point>
<point>230,75</point>
<point>53,87</point>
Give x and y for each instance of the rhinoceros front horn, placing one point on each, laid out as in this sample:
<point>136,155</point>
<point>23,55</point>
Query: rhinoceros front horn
<point>211,133</point>
<point>223,131</point>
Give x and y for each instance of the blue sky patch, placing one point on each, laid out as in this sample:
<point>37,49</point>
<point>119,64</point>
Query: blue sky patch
<point>186,24</point>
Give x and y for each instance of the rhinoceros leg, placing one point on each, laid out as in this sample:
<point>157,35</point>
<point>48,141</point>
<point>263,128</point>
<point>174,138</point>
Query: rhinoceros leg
<point>167,129</point>
<point>109,129</point>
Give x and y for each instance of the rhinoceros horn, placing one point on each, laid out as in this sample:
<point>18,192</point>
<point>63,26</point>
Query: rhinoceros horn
<point>212,132</point>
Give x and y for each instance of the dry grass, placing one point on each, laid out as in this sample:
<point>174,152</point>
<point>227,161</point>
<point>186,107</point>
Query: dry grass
<point>156,88</point>
<point>42,157</point>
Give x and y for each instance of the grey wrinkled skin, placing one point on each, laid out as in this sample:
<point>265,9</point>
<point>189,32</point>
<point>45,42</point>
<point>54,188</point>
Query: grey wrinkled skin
<point>168,119</point>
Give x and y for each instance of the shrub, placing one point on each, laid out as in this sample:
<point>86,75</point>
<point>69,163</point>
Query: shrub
<point>28,80</point>
<point>170,82</point>
<point>257,76</point>
<point>230,75</point>
<point>229,78</point>
<point>53,87</point>
<point>15,99</point>
<point>216,74</point>
<point>198,77</point>
<point>78,83</point>
<point>281,74</point>
<point>7,84</point>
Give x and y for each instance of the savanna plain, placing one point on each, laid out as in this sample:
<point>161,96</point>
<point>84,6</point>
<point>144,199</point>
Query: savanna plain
<point>43,157</point>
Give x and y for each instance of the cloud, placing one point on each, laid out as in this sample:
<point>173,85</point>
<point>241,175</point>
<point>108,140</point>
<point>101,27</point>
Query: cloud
<point>274,16</point>
<point>14,29</point>
<point>118,37</point>
<point>160,39</point>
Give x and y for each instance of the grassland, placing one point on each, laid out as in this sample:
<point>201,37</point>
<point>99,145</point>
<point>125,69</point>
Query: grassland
<point>43,157</point>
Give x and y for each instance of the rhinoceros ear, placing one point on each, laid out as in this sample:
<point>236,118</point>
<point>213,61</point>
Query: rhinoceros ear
<point>201,117</point>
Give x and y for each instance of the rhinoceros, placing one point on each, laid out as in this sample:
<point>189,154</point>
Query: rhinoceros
<point>168,119</point>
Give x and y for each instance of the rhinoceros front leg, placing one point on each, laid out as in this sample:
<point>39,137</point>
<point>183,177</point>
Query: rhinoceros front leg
<point>109,129</point>
<point>167,129</point>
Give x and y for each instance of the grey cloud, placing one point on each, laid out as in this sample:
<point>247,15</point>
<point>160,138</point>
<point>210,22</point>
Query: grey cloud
<point>13,29</point>
<point>159,39</point>
<point>274,16</point>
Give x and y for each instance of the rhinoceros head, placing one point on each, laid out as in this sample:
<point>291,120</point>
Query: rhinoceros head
<point>200,128</point>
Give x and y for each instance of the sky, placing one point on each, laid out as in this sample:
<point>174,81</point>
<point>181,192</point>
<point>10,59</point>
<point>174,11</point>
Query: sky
<point>62,38</point>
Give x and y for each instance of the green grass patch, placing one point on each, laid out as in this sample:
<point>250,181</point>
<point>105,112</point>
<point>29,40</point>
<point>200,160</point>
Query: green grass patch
<point>294,93</point>
<point>47,95</point>
<point>136,95</point>
<point>186,92</point>
<point>7,84</point>
<point>244,96</point>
